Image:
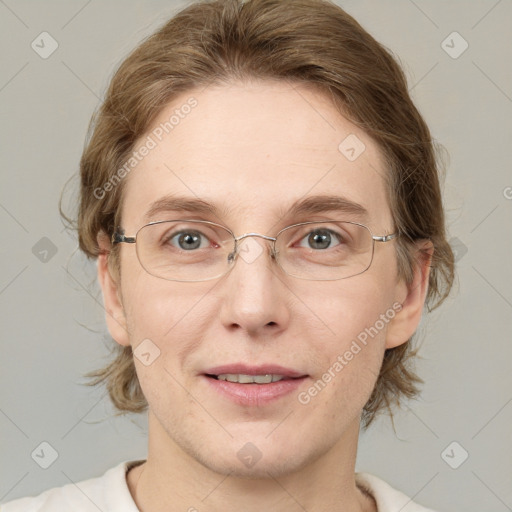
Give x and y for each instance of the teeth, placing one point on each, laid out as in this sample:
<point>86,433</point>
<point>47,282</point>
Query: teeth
<point>250,379</point>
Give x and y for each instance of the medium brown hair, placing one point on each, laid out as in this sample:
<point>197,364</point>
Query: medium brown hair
<point>311,42</point>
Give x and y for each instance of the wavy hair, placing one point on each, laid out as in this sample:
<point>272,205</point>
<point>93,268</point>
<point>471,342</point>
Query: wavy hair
<point>312,42</point>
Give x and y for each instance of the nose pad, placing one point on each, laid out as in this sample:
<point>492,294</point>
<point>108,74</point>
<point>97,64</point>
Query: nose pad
<point>250,250</point>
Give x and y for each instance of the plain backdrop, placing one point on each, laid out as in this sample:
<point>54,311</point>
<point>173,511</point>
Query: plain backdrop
<point>452,448</point>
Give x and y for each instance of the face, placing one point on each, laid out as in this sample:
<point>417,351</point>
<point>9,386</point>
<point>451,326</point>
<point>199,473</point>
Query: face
<point>253,150</point>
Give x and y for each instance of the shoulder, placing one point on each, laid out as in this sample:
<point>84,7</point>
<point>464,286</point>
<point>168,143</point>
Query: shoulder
<point>108,492</point>
<point>388,499</point>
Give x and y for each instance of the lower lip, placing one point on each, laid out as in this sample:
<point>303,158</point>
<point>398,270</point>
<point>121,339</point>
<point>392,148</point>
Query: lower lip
<point>254,394</point>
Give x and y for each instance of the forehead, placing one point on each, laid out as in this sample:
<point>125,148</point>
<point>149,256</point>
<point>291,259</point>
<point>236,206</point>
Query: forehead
<point>251,152</point>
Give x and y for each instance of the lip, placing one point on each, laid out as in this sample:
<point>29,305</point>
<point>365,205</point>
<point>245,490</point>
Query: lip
<point>263,369</point>
<point>255,395</point>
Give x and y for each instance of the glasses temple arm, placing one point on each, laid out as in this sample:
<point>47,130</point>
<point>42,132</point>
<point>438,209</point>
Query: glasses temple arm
<point>385,238</point>
<point>119,238</point>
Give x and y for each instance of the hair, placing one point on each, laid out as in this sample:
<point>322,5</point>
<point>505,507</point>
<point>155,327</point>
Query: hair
<point>309,42</point>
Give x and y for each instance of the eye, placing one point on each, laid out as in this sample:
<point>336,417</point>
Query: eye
<point>321,238</point>
<point>187,240</point>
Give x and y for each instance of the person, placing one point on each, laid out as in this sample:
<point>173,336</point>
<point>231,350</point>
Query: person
<point>263,200</point>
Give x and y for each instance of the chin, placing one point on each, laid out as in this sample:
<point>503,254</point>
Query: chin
<point>256,457</point>
<point>269,466</point>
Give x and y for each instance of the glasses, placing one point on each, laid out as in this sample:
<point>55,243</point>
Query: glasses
<point>199,250</point>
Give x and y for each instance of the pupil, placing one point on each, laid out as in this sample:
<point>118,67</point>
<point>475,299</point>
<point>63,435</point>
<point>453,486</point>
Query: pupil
<point>191,241</point>
<point>323,239</point>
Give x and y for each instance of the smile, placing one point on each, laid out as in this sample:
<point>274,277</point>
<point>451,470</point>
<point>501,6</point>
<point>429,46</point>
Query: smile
<point>249,379</point>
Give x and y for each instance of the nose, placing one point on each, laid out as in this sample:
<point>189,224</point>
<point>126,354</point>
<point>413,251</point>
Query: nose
<point>254,297</point>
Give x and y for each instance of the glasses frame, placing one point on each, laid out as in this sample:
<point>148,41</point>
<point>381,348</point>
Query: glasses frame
<point>118,237</point>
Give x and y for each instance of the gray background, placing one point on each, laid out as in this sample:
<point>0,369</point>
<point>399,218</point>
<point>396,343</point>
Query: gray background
<point>51,311</point>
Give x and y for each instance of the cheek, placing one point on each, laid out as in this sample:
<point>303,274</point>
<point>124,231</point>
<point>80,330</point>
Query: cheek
<point>344,309</point>
<point>156,308</point>
<point>351,344</point>
<point>164,327</point>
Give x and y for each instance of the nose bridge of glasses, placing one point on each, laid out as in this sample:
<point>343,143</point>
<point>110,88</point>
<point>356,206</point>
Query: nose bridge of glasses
<point>265,237</point>
<point>237,239</point>
<point>253,253</point>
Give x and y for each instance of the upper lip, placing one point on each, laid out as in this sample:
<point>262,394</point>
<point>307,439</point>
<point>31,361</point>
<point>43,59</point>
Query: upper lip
<point>263,369</point>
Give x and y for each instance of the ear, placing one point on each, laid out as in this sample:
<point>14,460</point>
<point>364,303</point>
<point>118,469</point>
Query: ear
<point>115,315</point>
<point>412,298</point>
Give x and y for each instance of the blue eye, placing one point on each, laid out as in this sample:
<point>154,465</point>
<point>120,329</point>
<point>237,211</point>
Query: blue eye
<point>188,240</point>
<point>321,238</point>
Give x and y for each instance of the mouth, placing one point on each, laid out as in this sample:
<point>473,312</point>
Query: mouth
<point>253,386</point>
<point>242,378</point>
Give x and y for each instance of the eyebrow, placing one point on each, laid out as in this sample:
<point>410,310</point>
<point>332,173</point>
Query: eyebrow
<point>307,206</point>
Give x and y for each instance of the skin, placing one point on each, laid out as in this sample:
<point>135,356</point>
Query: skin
<point>254,147</point>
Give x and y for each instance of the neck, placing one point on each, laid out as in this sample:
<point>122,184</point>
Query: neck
<point>173,480</point>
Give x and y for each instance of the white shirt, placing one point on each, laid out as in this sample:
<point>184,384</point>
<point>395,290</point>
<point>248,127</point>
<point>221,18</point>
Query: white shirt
<point>110,493</point>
